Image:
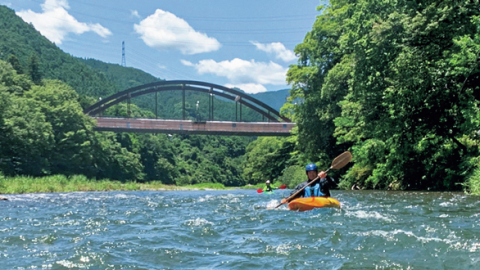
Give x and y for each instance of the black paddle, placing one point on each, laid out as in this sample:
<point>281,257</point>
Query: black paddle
<point>338,163</point>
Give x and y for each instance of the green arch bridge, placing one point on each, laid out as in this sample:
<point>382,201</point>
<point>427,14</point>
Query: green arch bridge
<point>273,125</point>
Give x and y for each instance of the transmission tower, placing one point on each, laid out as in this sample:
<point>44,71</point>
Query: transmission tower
<point>124,62</point>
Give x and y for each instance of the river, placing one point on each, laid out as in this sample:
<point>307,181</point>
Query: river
<point>236,229</point>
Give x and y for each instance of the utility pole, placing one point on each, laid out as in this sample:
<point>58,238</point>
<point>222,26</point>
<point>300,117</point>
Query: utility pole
<point>124,62</point>
<point>197,115</point>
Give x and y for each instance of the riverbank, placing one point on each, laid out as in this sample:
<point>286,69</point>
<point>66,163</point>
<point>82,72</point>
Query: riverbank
<point>61,183</point>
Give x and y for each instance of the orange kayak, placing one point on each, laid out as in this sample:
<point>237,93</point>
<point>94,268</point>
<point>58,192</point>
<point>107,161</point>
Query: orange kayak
<point>308,203</point>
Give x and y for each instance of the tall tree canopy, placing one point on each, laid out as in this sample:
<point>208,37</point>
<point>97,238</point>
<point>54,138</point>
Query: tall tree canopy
<point>398,83</point>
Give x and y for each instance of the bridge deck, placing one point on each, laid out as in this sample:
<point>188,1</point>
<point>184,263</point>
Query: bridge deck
<point>191,127</point>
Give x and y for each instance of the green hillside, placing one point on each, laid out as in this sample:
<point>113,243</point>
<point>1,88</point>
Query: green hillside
<point>22,41</point>
<point>123,77</point>
<point>44,132</point>
<point>274,99</point>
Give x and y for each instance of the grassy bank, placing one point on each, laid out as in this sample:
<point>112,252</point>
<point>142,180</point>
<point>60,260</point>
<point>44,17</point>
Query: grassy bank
<point>258,186</point>
<point>61,183</point>
<point>473,183</point>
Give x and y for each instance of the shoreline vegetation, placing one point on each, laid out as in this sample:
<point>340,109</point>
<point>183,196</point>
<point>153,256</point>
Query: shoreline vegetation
<point>76,183</point>
<point>79,183</point>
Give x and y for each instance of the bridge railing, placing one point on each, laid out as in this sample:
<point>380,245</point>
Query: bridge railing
<point>192,127</point>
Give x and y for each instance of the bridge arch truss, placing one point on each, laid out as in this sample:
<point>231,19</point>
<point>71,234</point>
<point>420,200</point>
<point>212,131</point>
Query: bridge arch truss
<point>183,85</point>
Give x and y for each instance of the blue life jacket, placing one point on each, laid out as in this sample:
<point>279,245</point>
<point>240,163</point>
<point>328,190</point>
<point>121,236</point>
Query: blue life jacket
<point>313,191</point>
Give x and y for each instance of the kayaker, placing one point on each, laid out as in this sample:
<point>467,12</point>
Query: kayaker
<point>320,188</point>
<point>267,187</point>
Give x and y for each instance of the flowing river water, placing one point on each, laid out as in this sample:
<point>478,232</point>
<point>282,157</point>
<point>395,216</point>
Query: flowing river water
<point>237,229</point>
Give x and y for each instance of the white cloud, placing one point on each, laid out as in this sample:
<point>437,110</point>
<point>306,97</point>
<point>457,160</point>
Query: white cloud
<point>276,48</point>
<point>250,88</point>
<point>164,30</point>
<point>100,30</point>
<point>55,23</point>
<point>246,75</point>
<point>134,13</point>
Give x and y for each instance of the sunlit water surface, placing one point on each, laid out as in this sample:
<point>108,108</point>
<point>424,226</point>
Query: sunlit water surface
<point>238,230</point>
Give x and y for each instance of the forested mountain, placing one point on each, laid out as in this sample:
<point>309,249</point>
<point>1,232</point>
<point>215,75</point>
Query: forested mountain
<point>33,51</point>
<point>43,130</point>
<point>122,77</point>
<point>22,44</point>
<point>274,99</point>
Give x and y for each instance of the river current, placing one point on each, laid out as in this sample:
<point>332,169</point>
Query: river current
<point>237,229</point>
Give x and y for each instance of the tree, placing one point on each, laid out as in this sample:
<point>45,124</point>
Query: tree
<point>13,60</point>
<point>25,135</point>
<point>266,158</point>
<point>158,157</point>
<point>317,100</point>
<point>400,82</point>
<point>34,70</point>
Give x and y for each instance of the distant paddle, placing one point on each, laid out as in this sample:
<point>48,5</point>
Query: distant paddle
<point>280,187</point>
<point>338,163</point>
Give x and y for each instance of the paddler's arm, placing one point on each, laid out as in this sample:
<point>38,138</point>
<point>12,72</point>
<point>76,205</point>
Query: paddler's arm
<point>329,183</point>
<point>297,188</point>
<point>332,182</point>
<point>298,195</point>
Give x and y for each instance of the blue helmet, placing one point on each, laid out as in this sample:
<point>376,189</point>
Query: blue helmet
<point>311,167</point>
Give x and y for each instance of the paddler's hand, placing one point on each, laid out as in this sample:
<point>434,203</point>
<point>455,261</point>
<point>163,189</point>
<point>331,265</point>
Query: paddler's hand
<point>283,201</point>
<point>322,174</point>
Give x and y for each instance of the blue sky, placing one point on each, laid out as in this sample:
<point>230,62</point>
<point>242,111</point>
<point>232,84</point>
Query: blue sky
<point>236,43</point>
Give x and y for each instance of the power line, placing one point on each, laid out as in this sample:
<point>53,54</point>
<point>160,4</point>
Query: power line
<point>220,31</point>
<point>201,18</point>
<point>224,43</point>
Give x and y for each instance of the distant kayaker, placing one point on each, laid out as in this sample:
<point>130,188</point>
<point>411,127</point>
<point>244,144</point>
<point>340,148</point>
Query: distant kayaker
<point>268,186</point>
<point>320,188</point>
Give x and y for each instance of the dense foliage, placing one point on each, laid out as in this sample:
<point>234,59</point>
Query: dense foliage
<point>397,82</point>
<point>266,158</point>
<point>43,131</point>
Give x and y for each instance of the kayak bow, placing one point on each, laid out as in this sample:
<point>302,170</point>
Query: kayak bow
<point>309,203</point>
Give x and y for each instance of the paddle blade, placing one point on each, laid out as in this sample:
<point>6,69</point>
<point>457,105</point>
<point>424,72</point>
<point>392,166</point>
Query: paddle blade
<point>282,187</point>
<point>259,190</point>
<point>342,160</point>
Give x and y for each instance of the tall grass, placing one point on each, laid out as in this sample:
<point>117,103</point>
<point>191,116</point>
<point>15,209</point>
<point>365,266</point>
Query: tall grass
<point>257,186</point>
<point>61,183</point>
<point>473,183</point>
<point>276,184</point>
<point>208,186</point>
